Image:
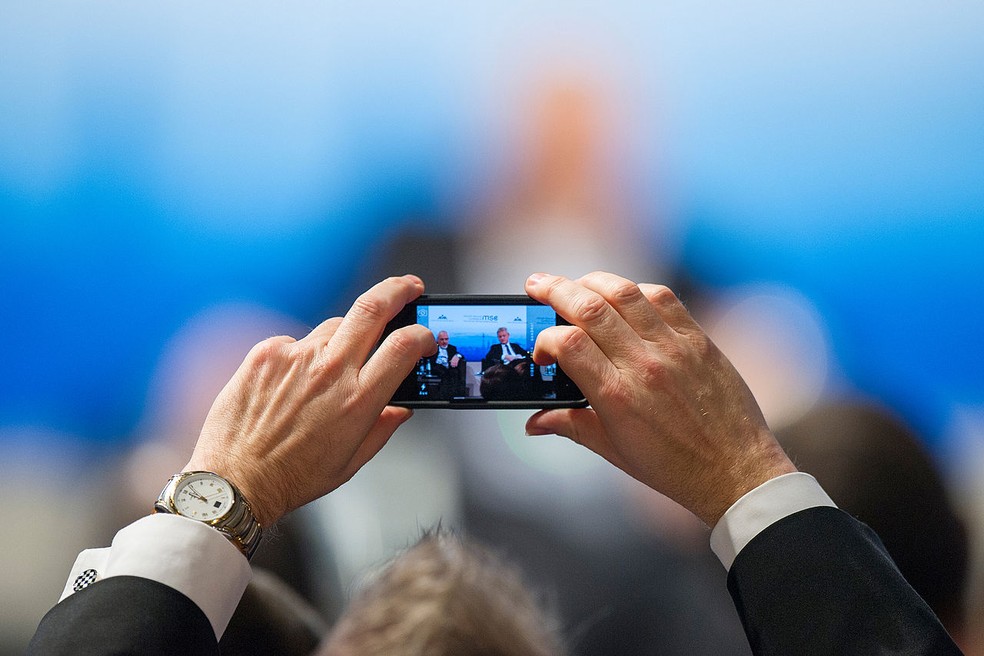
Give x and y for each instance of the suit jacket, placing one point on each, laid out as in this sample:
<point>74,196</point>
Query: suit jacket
<point>452,351</point>
<point>494,356</point>
<point>125,615</point>
<point>821,582</point>
<point>452,378</point>
<point>816,582</point>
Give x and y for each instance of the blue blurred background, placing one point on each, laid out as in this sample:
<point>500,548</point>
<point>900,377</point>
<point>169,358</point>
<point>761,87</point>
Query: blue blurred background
<point>158,162</point>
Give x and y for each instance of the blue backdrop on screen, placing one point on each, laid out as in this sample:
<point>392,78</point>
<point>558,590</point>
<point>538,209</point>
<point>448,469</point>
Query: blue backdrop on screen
<point>473,329</point>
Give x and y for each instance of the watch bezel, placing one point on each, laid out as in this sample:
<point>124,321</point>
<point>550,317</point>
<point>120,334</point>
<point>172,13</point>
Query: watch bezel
<point>175,485</point>
<point>237,523</point>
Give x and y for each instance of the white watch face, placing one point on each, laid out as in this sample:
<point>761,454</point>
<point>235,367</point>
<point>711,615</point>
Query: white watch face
<point>203,497</point>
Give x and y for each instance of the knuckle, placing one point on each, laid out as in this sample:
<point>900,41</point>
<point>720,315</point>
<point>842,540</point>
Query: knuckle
<point>575,342</point>
<point>269,350</point>
<point>369,306</point>
<point>327,365</point>
<point>654,373</point>
<point>661,295</point>
<point>402,344</point>
<point>625,291</point>
<point>591,308</point>
<point>701,345</point>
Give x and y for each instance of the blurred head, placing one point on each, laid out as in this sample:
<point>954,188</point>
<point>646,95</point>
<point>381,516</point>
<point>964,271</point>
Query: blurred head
<point>442,339</point>
<point>503,335</point>
<point>272,618</point>
<point>509,382</point>
<point>505,382</point>
<point>876,469</point>
<point>442,597</point>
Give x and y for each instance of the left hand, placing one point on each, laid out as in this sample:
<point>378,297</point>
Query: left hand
<point>667,407</point>
<point>299,418</point>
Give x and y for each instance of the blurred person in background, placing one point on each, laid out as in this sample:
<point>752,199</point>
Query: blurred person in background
<point>446,595</point>
<point>875,468</point>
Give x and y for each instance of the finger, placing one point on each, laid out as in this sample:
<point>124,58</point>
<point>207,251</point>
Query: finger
<point>577,355</point>
<point>630,302</point>
<point>588,310</point>
<point>323,332</point>
<point>670,308</point>
<point>580,425</point>
<point>395,359</point>
<point>364,322</point>
<point>389,420</point>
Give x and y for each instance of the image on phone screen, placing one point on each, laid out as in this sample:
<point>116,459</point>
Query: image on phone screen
<point>484,355</point>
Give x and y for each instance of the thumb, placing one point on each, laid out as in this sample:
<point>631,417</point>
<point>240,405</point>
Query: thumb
<point>576,424</point>
<point>580,425</point>
<point>389,420</point>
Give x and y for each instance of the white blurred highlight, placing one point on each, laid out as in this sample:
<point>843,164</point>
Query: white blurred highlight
<point>779,344</point>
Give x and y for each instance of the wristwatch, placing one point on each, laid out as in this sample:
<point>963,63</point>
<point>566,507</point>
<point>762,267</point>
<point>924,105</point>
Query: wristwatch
<point>208,498</point>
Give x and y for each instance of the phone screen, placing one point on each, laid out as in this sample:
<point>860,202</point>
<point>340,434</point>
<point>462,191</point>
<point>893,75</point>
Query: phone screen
<point>485,355</point>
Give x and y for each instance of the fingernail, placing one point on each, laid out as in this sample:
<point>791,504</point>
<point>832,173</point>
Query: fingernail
<point>533,432</point>
<point>536,277</point>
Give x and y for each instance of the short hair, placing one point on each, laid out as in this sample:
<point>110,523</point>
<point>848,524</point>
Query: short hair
<point>507,382</point>
<point>445,596</point>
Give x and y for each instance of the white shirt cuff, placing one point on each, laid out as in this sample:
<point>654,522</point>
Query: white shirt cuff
<point>760,508</point>
<point>191,557</point>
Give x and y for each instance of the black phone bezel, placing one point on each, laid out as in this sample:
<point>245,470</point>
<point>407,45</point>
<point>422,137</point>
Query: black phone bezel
<point>572,396</point>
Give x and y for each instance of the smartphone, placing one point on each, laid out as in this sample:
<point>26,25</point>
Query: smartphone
<point>485,355</point>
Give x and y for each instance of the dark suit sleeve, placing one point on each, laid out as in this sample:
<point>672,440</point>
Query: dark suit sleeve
<point>820,582</point>
<point>125,615</point>
<point>492,357</point>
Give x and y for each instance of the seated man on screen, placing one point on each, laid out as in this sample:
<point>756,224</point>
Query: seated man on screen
<point>504,352</point>
<point>449,365</point>
<point>300,417</point>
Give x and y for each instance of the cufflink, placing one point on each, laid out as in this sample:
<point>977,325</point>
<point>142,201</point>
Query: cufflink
<point>85,579</point>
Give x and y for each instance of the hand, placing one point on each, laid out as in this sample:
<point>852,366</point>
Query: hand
<point>667,407</point>
<point>455,360</point>
<point>509,358</point>
<point>299,418</point>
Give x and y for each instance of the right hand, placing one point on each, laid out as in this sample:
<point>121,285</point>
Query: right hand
<point>299,418</point>
<point>667,407</point>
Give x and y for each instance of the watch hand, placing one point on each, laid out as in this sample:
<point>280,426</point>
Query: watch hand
<point>195,493</point>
